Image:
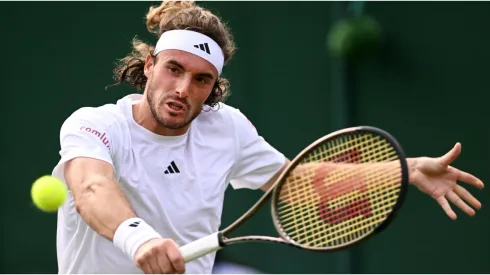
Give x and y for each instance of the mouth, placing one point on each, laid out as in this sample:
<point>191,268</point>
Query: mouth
<point>175,106</point>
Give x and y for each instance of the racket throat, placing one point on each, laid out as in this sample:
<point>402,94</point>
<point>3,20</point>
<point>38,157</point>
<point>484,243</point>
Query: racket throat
<point>202,247</point>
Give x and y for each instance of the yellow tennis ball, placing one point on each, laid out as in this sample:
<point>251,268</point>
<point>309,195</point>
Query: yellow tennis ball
<point>48,193</point>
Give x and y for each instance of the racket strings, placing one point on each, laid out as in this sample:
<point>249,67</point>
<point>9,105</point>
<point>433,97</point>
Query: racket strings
<point>336,151</point>
<point>306,225</point>
<point>300,178</point>
<point>299,193</point>
<point>335,230</point>
<point>321,206</point>
<point>297,187</point>
<point>284,205</point>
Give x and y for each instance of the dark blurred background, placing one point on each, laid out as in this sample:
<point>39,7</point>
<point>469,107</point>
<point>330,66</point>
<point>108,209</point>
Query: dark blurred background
<point>427,86</point>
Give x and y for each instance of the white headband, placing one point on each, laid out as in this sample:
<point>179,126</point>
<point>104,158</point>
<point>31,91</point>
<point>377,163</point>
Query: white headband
<point>192,42</point>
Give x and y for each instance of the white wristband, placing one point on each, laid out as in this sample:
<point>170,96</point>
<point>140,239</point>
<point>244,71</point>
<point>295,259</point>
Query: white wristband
<point>131,234</point>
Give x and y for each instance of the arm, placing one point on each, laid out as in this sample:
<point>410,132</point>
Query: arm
<point>104,207</point>
<point>300,169</point>
<point>258,162</point>
<point>86,165</point>
<point>332,180</point>
<point>433,176</point>
<point>98,198</point>
<point>270,183</point>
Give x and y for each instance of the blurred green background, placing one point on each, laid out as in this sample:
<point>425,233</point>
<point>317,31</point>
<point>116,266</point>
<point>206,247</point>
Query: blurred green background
<point>427,86</point>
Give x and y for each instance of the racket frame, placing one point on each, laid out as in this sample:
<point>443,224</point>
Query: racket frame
<point>221,240</point>
<point>400,200</point>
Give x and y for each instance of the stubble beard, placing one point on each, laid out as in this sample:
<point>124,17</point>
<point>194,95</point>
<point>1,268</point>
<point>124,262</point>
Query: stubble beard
<point>160,120</point>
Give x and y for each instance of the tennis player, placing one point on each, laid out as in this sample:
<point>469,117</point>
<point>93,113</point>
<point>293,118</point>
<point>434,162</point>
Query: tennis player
<point>148,174</point>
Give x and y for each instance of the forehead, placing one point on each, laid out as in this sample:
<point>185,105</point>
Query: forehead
<point>189,61</point>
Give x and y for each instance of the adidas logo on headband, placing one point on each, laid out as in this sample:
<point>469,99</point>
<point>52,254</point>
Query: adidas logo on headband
<point>203,47</point>
<point>192,42</point>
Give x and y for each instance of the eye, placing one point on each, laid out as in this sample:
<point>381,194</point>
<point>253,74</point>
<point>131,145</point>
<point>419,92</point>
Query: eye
<point>173,69</point>
<point>202,80</point>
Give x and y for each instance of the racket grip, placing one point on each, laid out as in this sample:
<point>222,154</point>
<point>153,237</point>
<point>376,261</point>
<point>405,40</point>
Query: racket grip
<point>201,247</point>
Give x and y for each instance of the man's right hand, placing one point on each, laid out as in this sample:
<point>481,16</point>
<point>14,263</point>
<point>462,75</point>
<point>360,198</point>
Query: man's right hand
<point>160,256</point>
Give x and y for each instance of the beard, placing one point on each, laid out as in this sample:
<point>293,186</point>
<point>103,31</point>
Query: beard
<point>165,119</point>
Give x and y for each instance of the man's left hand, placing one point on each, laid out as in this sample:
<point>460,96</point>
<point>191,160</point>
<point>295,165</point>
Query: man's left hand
<point>436,178</point>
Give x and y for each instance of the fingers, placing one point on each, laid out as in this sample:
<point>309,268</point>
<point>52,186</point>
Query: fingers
<point>148,263</point>
<point>160,256</point>
<point>175,257</point>
<point>146,267</point>
<point>467,177</point>
<point>164,264</point>
<point>451,155</point>
<point>458,198</point>
<point>460,203</point>
<point>465,195</point>
<point>446,207</point>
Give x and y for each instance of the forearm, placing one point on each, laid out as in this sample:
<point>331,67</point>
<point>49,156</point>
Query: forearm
<point>102,205</point>
<point>309,169</point>
<point>315,171</point>
<point>412,167</point>
<point>342,177</point>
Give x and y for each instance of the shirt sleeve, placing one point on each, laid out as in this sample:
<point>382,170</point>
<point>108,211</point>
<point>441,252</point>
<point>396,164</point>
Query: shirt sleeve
<point>257,161</point>
<point>84,134</point>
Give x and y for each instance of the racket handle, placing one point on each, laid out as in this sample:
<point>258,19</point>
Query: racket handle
<point>201,247</point>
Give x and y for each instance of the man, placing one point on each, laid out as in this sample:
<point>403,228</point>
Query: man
<point>148,174</point>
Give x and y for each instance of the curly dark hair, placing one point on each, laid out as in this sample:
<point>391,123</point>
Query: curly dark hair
<point>173,15</point>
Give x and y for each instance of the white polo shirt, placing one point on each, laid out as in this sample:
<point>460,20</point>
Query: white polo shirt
<point>176,184</point>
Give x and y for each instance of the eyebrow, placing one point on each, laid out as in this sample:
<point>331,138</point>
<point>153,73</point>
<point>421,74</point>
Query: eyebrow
<point>177,64</point>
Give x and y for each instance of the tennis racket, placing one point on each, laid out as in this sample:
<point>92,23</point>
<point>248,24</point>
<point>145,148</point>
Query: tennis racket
<point>338,191</point>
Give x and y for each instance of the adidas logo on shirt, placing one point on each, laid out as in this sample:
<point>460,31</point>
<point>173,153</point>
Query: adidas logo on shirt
<point>203,47</point>
<point>172,169</point>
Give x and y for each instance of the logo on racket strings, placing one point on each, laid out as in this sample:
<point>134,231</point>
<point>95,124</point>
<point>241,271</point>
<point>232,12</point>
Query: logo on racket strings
<point>337,214</point>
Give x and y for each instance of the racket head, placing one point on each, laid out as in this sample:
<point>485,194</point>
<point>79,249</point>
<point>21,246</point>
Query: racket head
<point>309,221</point>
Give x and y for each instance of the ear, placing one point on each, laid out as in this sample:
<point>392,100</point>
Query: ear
<point>149,62</point>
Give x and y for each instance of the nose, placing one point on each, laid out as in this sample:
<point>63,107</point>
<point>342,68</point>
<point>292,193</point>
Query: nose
<point>183,87</point>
